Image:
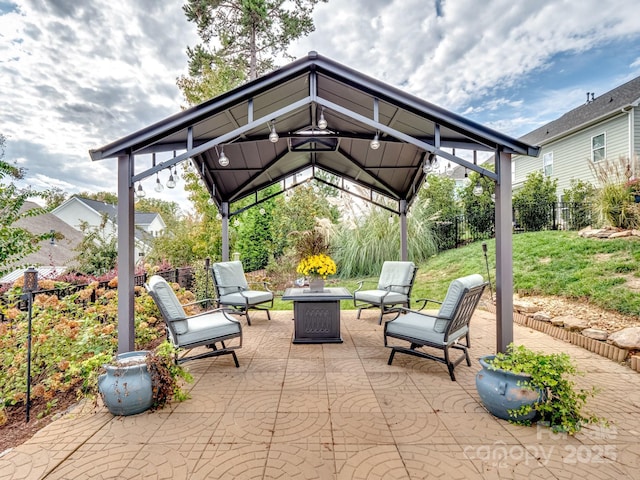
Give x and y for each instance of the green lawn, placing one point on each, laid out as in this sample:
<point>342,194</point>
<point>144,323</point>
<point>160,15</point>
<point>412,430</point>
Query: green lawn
<point>544,263</point>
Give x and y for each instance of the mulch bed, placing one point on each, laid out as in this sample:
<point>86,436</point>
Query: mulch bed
<point>15,431</point>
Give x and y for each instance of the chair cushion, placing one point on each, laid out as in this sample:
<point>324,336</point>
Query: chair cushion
<point>396,273</point>
<point>248,297</point>
<point>206,328</point>
<point>168,303</point>
<point>454,294</point>
<point>375,297</point>
<point>229,276</point>
<point>421,327</point>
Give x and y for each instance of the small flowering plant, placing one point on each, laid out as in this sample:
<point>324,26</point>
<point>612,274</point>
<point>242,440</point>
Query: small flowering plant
<point>319,265</point>
<point>633,186</point>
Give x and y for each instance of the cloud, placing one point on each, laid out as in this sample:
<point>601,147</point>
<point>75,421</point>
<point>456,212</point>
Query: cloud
<point>79,75</point>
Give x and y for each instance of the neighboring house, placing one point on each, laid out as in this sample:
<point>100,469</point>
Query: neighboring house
<point>54,257</point>
<point>78,210</point>
<point>605,127</point>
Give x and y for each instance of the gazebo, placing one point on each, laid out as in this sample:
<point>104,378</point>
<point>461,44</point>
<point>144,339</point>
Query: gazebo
<point>315,115</point>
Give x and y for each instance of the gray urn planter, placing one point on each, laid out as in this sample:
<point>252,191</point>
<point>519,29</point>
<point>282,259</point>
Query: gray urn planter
<point>502,391</point>
<point>126,387</point>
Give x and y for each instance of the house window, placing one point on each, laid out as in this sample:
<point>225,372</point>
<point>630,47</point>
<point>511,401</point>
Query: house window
<point>598,148</point>
<point>547,164</point>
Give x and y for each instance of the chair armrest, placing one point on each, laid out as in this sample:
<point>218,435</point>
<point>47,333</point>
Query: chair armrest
<point>224,310</point>
<point>237,287</point>
<point>265,285</point>
<point>424,302</point>
<point>360,285</point>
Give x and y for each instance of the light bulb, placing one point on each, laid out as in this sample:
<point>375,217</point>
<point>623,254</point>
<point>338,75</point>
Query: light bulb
<point>375,143</point>
<point>426,168</point>
<point>273,136</point>
<point>171,183</point>
<point>140,193</point>
<point>477,189</point>
<point>322,123</point>
<point>223,160</point>
<point>158,186</point>
<point>436,163</point>
<point>449,169</point>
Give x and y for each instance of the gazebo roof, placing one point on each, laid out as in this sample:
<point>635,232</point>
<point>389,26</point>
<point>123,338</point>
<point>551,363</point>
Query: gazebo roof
<point>355,106</point>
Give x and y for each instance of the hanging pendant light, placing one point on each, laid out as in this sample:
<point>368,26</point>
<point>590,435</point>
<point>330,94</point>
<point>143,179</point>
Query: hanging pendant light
<point>171,183</point>
<point>158,186</point>
<point>273,136</point>
<point>140,193</point>
<point>322,122</point>
<point>477,189</point>
<point>375,143</point>
<point>223,160</point>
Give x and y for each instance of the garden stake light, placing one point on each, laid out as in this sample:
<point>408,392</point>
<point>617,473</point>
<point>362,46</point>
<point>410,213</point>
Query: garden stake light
<point>486,261</point>
<point>30,285</point>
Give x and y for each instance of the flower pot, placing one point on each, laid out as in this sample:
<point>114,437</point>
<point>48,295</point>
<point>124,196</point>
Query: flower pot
<point>502,391</point>
<point>316,285</point>
<point>126,387</point>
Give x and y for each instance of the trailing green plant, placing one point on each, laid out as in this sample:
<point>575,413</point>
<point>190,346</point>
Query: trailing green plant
<point>561,404</point>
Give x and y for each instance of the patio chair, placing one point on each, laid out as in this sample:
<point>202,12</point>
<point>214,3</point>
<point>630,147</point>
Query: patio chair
<point>394,288</point>
<point>233,290</point>
<point>207,328</point>
<point>447,329</point>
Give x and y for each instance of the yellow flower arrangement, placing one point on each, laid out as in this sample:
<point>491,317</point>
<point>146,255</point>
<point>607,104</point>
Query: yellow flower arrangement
<point>320,265</point>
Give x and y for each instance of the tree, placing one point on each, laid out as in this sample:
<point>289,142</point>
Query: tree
<point>54,197</point>
<point>533,203</point>
<point>245,35</point>
<point>106,197</point>
<point>98,250</point>
<point>438,202</point>
<point>15,242</point>
<point>479,207</point>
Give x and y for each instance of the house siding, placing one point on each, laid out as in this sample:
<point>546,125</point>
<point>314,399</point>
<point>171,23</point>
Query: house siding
<point>571,154</point>
<point>635,141</point>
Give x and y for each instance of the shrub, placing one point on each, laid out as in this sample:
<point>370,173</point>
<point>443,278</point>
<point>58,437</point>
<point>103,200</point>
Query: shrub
<point>614,201</point>
<point>534,202</point>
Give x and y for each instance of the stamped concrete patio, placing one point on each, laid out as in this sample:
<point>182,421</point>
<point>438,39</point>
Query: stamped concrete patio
<point>338,411</point>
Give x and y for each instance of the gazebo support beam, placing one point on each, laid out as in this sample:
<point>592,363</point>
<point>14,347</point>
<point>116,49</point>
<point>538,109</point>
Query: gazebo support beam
<point>404,252</point>
<point>504,253</point>
<point>126,262</point>
<point>225,231</point>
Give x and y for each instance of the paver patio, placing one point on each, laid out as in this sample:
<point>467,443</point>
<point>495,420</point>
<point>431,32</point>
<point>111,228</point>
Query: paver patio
<point>338,411</point>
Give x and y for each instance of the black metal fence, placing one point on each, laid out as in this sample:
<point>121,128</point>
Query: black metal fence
<point>528,218</point>
<point>182,276</point>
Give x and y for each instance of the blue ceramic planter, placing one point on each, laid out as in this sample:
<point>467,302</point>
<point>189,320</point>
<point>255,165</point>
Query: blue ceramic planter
<point>126,386</point>
<point>502,391</point>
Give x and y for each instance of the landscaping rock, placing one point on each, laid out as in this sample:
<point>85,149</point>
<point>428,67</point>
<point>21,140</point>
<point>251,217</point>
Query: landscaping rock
<point>624,233</point>
<point>595,333</point>
<point>542,316</point>
<point>627,338</point>
<point>521,306</point>
<point>570,323</point>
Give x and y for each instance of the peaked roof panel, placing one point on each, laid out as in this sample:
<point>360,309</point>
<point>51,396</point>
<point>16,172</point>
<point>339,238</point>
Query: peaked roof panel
<point>355,106</point>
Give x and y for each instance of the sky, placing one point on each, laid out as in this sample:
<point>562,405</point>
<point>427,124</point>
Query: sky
<point>77,75</point>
